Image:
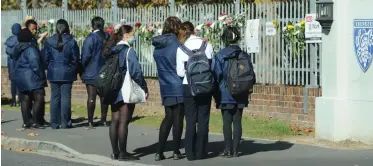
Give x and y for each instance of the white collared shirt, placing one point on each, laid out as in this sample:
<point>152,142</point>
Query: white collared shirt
<point>192,43</point>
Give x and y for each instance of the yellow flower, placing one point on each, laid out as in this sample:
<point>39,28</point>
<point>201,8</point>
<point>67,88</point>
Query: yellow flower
<point>290,27</point>
<point>274,22</point>
<point>302,23</point>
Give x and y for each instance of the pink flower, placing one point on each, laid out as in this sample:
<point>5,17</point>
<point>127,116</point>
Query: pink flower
<point>228,20</point>
<point>208,24</point>
<point>149,28</point>
<point>223,14</point>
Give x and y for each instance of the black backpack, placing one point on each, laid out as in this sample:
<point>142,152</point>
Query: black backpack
<point>241,75</point>
<point>198,71</point>
<point>110,79</point>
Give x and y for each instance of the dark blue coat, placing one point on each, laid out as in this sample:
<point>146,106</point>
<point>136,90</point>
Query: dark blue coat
<point>133,64</point>
<point>92,59</point>
<point>165,57</point>
<point>11,48</point>
<point>61,66</point>
<point>29,72</point>
<point>220,69</point>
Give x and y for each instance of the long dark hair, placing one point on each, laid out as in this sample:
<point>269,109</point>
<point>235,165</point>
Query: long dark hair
<point>62,27</point>
<point>171,25</point>
<point>116,37</point>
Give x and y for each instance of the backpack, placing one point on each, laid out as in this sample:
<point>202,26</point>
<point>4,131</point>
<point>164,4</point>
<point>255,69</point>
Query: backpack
<point>241,75</point>
<point>198,71</point>
<point>110,79</point>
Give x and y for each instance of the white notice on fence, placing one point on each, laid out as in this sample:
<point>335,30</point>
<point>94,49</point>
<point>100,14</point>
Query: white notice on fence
<point>252,36</point>
<point>271,29</point>
<point>313,29</point>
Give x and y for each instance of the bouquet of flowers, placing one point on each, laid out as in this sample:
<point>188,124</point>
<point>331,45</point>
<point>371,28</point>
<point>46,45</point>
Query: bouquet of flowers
<point>146,32</point>
<point>46,27</point>
<point>294,35</point>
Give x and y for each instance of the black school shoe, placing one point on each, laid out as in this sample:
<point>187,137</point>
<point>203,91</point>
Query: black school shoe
<point>159,157</point>
<point>226,154</point>
<point>127,157</point>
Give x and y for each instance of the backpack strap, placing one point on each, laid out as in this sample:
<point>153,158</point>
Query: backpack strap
<point>186,50</point>
<point>203,46</point>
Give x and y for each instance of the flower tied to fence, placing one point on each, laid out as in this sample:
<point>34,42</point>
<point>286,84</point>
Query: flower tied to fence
<point>295,37</point>
<point>147,32</point>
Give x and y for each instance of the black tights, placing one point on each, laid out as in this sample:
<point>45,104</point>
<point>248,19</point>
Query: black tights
<point>121,116</point>
<point>174,118</point>
<point>33,101</point>
<point>91,104</point>
<point>229,116</point>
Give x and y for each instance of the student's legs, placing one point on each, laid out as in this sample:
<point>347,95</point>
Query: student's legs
<point>38,106</point>
<point>113,130</point>
<point>227,129</point>
<point>91,102</point>
<point>104,110</point>
<point>190,131</point>
<point>25,108</point>
<point>55,105</point>
<point>13,90</point>
<point>237,124</point>
<point>203,106</point>
<point>125,113</point>
<point>177,128</point>
<point>165,129</point>
<point>66,105</point>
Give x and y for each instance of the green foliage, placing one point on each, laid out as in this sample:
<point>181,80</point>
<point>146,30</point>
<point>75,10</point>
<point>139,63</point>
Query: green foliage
<point>10,5</point>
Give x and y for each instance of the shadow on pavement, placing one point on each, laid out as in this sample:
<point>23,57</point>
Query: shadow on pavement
<point>6,121</point>
<point>246,148</point>
<point>79,120</point>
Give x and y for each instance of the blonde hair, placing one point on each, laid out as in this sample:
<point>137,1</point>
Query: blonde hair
<point>27,17</point>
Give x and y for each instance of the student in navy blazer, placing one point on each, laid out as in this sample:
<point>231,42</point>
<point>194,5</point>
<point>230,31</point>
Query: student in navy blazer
<point>61,55</point>
<point>92,60</point>
<point>121,115</point>
<point>170,85</point>
<point>11,48</point>
<point>30,80</point>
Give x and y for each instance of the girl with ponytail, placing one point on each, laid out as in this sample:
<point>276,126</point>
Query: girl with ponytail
<point>61,55</point>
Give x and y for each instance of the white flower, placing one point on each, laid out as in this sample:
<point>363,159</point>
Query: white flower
<point>284,28</point>
<point>240,24</point>
<point>51,21</point>
<point>213,24</point>
<point>199,27</point>
<point>221,18</point>
<point>123,21</point>
<point>160,31</point>
<point>116,27</point>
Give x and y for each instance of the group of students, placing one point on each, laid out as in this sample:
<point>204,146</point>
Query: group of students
<point>189,76</point>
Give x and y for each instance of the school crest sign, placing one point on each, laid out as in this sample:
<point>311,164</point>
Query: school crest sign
<point>363,42</point>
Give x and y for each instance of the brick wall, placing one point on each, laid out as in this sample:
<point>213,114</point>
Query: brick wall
<point>279,102</point>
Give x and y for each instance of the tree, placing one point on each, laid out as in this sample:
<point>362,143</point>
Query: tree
<point>10,4</point>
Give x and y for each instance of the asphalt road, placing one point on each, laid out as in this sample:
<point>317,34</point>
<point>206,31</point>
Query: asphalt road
<point>10,158</point>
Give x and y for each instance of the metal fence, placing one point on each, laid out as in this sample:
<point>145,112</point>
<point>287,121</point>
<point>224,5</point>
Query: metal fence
<point>275,64</point>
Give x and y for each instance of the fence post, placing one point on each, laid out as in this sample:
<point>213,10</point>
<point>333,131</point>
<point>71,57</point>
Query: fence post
<point>313,53</point>
<point>65,8</point>
<point>172,7</point>
<point>114,8</point>
<point>237,6</point>
<point>24,8</point>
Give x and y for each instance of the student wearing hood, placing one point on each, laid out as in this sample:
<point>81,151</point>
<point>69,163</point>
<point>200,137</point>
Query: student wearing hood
<point>171,86</point>
<point>61,55</point>
<point>11,49</point>
<point>30,80</point>
<point>92,60</point>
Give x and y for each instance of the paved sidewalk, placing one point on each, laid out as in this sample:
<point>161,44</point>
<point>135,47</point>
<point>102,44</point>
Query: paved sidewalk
<point>142,140</point>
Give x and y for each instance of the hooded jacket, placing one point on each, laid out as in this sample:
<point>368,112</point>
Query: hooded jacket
<point>12,48</point>
<point>92,59</point>
<point>133,63</point>
<point>165,57</point>
<point>220,69</point>
<point>61,66</point>
<point>29,72</point>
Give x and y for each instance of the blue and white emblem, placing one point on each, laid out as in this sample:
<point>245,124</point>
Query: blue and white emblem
<point>363,42</point>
